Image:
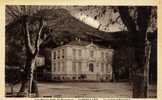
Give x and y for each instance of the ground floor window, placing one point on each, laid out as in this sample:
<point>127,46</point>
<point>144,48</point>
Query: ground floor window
<point>74,67</point>
<point>91,67</point>
<point>102,67</point>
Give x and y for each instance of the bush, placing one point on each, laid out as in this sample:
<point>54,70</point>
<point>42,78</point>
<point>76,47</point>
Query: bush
<point>13,75</point>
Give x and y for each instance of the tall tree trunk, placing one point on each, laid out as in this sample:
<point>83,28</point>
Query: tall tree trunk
<point>25,77</point>
<point>27,82</point>
<point>31,53</point>
<point>139,83</point>
<point>138,38</point>
<point>35,88</point>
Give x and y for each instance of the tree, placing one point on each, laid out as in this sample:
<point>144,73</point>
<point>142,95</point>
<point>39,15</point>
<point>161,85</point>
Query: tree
<point>31,53</point>
<point>12,77</point>
<point>140,43</point>
<point>137,21</point>
<point>32,28</point>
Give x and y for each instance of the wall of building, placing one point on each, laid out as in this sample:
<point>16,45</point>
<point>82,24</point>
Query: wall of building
<point>77,61</point>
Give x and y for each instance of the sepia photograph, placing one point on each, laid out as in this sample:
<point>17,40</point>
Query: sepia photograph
<point>72,51</point>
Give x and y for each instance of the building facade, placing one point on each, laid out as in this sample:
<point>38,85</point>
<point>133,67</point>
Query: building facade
<point>80,60</point>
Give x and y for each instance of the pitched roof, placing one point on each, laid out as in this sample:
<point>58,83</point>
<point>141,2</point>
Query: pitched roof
<point>79,43</point>
<point>83,43</point>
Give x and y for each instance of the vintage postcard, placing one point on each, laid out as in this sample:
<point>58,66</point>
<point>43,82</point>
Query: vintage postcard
<point>72,50</point>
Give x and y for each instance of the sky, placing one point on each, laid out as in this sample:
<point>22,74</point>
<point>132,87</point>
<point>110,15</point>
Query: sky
<point>88,20</point>
<point>87,16</point>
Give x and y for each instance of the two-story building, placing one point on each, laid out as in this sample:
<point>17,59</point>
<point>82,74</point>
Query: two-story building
<point>81,60</point>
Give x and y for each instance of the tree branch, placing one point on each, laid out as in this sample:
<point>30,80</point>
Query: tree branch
<point>38,37</point>
<point>126,18</point>
<point>11,12</point>
<point>143,18</point>
<point>27,35</point>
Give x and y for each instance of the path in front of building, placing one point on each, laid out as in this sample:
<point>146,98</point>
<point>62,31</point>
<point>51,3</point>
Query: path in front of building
<point>83,89</point>
<point>86,89</point>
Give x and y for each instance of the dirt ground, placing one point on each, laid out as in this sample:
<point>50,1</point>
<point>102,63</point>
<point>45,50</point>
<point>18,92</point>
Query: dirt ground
<point>86,89</point>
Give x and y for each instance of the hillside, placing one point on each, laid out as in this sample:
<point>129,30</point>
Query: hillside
<point>64,27</point>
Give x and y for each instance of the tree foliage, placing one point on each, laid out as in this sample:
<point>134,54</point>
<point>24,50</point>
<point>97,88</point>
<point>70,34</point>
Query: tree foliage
<point>33,33</point>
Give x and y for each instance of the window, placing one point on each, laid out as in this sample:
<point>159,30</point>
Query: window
<point>91,67</point>
<point>74,67</point>
<point>63,67</point>
<point>92,53</point>
<point>54,67</point>
<point>74,53</point>
<point>102,54</point>
<point>80,67</point>
<point>58,56</point>
<point>102,67</point>
<point>63,53</point>
<point>54,55</point>
<point>108,68</point>
<point>58,66</point>
<point>80,53</point>
<point>106,55</point>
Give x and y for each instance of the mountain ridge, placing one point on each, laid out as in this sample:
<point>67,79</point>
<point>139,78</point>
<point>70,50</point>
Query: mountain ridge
<point>64,27</point>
